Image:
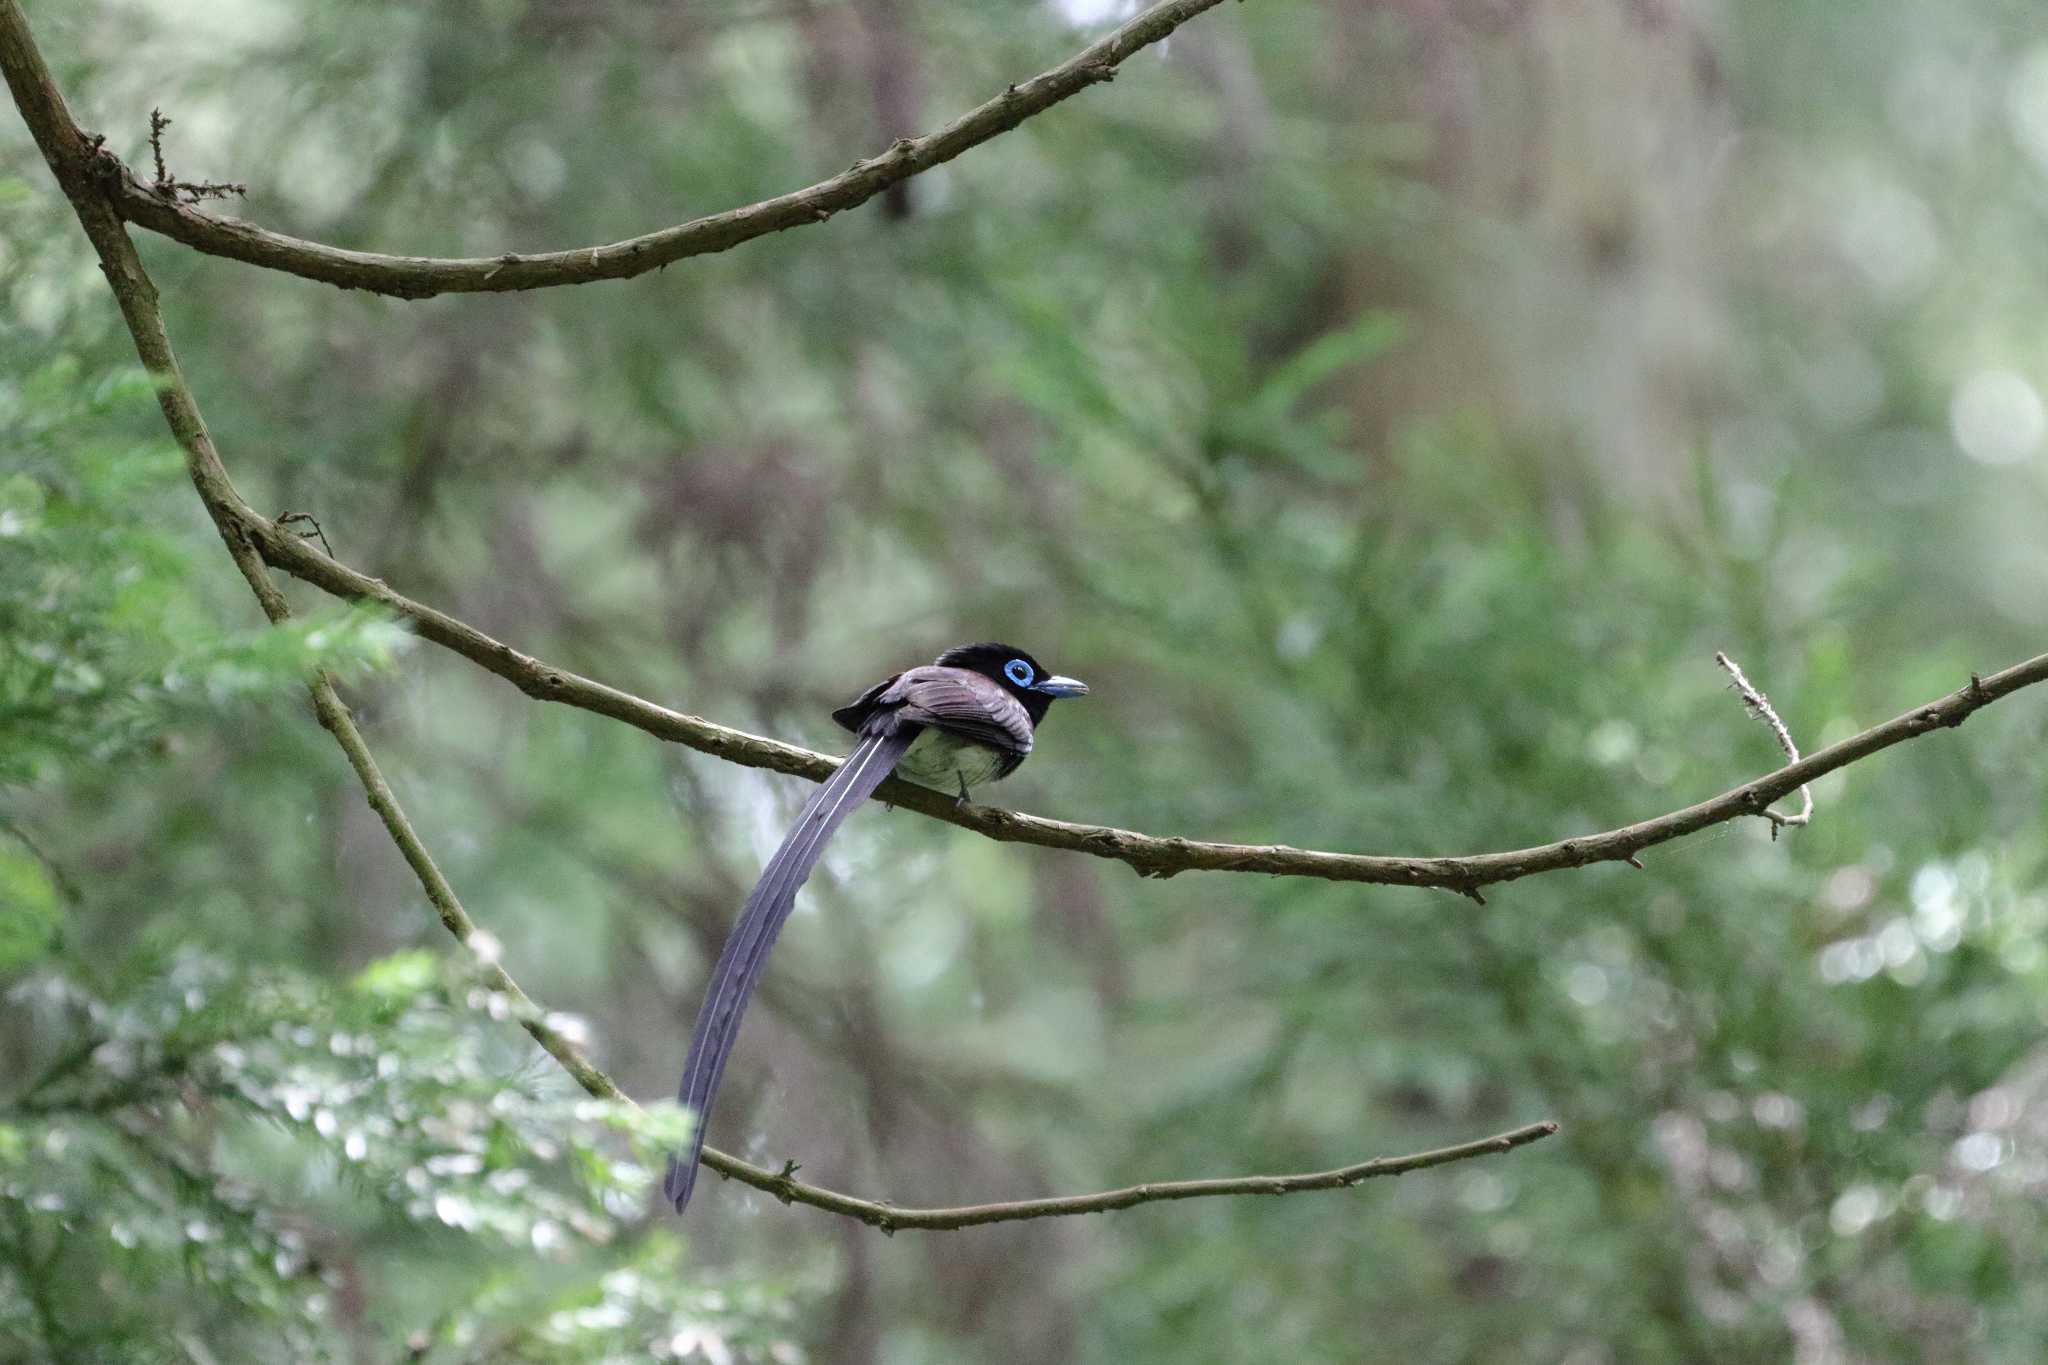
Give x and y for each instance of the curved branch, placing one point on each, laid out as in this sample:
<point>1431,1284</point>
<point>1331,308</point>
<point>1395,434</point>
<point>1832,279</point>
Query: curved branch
<point>1149,855</point>
<point>417,277</point>
<point>42,106</point>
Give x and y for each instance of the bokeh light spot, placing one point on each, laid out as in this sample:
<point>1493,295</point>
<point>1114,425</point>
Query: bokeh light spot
<point>1997,417</point>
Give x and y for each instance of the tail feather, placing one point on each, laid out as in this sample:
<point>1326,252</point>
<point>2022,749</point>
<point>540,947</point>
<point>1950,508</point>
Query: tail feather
<point>753,934</point>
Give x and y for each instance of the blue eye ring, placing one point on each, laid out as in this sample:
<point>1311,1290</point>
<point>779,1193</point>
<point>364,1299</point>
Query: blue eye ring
<point>1018,672</point>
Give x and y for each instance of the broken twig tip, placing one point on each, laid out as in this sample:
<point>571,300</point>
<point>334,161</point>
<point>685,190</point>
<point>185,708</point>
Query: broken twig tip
<point>1760,707</point>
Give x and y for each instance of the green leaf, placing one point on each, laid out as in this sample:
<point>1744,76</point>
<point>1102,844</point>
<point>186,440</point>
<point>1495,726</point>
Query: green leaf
<point>401,976</point>
<point>30,913</point>
<point>1368,337</point>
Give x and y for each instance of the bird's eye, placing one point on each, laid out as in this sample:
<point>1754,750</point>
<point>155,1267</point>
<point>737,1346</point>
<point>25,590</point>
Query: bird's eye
<point>1018,672</point>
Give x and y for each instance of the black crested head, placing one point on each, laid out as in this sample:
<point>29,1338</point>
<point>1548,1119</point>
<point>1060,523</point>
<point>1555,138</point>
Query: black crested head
<point>1023,676</point>
<point>990,657</point>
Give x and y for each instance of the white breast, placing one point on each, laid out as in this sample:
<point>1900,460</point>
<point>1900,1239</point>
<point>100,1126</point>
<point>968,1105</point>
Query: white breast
<point>937,759</point>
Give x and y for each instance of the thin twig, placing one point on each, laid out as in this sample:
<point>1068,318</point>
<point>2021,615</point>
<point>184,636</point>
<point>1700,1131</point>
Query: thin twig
<point>43,107</point>
<point>313,532</point>
<point>168,185</point>
<point>1760,706</point>
<point>416,277</point>
<point>158,121</point>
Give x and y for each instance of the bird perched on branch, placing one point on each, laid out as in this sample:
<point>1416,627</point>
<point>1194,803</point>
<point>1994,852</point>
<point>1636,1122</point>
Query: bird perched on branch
<point>967,719</point>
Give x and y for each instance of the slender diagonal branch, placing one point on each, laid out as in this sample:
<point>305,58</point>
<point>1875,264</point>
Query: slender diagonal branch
<point>1149,855</point>
<point>42,106</point>
<point>424,276</point>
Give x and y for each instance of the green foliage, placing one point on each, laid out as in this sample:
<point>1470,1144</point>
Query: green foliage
<point>30,914</point>
<point>216,1139</point>
<point>108,647</point>
<point>1389,414</point>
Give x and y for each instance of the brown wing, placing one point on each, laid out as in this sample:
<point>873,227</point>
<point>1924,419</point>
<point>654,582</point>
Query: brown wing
<point>960,702</point>
<point>855,713</point>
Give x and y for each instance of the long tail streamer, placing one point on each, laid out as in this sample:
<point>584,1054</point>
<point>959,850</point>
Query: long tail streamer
<point>761,918</point>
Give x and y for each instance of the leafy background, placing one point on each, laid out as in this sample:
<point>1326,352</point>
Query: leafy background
<point>1389,408</point>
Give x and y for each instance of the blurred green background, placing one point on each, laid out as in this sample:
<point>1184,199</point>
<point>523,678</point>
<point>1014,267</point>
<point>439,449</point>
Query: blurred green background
<point>1388,407</point>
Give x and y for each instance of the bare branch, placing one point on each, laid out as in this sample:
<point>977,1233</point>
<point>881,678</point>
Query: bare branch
<point>889,1218</point>
<point>43,107</point>
<point>1760,706</point>
<point>1149,855</point>
<point>417,277</point>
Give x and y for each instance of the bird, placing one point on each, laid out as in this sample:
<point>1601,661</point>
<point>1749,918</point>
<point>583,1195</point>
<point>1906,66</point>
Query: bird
<point>966,719</point>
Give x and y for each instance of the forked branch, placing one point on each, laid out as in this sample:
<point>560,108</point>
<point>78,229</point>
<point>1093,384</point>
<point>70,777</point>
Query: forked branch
<point>73,160</point>
<point>1150,855</point>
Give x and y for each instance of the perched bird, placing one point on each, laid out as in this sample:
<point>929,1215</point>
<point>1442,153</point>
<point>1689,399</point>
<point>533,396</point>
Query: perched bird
<point>967,719</point>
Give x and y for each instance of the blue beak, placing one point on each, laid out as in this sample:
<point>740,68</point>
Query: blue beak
<point>1062,687</point>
